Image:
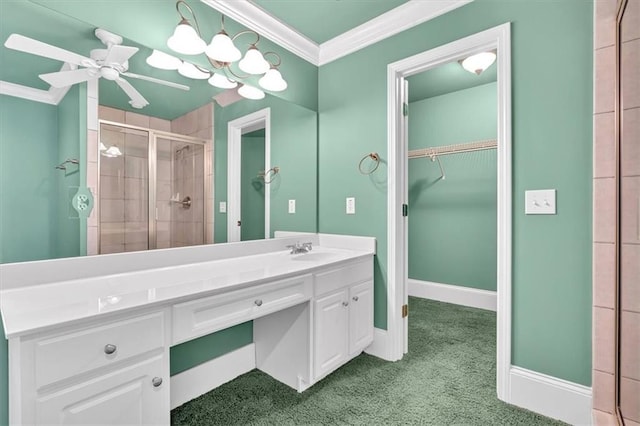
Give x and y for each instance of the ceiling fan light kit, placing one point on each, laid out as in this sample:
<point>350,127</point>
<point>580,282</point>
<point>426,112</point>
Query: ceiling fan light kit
<point>222,53</point>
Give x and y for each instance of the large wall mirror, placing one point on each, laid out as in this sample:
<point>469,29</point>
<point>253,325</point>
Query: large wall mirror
<point>162,174</point>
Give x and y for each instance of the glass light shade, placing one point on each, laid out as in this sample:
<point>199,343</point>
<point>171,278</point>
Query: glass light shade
<point>250,92</point>
<point>253,62</point>
<point>222,82</point>
<point>222,49</point>
<point>273,81</point>
<point>478,63</point>
<point>186,40</point>
<point>102,147</point>
<point>163,61</point>
<point>189,70</point>
<point>113,151</point>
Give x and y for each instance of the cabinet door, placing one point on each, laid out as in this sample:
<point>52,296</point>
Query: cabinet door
<point>360,316</point>
<point>331,319</point>
<point>124,396</point>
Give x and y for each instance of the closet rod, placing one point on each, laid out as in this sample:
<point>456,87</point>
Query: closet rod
<point>453,149</point>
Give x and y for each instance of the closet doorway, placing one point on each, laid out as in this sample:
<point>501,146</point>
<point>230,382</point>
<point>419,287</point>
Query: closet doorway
<point>495,40</point>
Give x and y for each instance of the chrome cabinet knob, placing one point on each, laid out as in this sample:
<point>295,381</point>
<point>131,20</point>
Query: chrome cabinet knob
<point>258,302</point>
<point>355,298</point>
<point>109,349</point>
<point>345,304</point>
<point>156,381</point>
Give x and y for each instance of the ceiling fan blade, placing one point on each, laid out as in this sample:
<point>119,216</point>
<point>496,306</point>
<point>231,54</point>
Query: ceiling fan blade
<point>119,54</point>
<point>68,78</point>
<point>35,47</point>
<point>137,100</point>
<point>156,80</point>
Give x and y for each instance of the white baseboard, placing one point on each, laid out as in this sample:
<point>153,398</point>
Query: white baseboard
<point>380,346</point>
<point>466,296</point>
<point>550,396</point>
<point>202,378</point>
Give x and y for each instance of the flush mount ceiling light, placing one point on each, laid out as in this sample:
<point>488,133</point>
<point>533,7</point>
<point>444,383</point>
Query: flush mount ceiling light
<point>479,62</point>
<point>223,55</point>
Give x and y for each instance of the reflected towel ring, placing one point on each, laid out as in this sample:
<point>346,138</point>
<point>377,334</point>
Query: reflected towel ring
<point>375,157</point>
<point>265,175</point>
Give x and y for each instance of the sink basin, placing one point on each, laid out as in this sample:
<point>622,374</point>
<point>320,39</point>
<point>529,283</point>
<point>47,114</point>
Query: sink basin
<point>314,257</point>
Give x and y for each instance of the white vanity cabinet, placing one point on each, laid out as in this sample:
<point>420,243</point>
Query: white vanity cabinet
<point>343,316</point>
<point>112,373</point>
<point>95,350</point>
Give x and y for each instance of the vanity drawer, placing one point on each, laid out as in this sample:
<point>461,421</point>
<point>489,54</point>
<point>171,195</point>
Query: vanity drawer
<point>203,316</point>
<point>329,281</point>
<point>69,354</point>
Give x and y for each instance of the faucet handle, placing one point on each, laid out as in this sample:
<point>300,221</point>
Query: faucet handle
<point>308,246</point>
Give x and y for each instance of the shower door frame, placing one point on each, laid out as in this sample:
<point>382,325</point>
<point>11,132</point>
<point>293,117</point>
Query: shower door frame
<point>153,136</point>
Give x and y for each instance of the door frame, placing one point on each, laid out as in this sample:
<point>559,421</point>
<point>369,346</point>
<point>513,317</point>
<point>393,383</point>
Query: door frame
<point>235,129</point>
<point>397,287</point>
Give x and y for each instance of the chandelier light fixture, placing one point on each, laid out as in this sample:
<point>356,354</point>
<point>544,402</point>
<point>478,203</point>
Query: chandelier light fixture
<point>221,53</point>
<point>479,62</point>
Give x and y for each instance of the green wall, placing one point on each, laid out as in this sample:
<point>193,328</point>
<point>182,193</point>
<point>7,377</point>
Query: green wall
<point>72,125</point>
<point>194,352</point>
<point>28,180</point>
<point>293,149</point>
<point>552,61</point>
<point>453,221</point>
<point>252,187</point>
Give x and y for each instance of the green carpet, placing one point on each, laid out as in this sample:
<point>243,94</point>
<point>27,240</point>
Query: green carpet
<point>447,378</point>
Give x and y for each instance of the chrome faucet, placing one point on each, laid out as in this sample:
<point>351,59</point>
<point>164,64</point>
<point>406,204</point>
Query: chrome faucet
<point>298,248</point>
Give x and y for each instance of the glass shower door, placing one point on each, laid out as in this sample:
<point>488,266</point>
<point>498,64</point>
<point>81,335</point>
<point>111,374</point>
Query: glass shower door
<point>180,193</point>
<point>124,189</point>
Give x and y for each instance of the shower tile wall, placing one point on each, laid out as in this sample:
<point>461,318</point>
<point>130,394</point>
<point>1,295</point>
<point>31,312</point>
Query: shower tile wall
<point>187,225</point>
<point>604,233</point>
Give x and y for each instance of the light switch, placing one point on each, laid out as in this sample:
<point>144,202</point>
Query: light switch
<point>223,206</point>
<point>542,201</point>
<point>292,206</point>
<point>351,205</point>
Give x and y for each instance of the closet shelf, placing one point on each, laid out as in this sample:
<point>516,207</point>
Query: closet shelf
<point>433,152</point>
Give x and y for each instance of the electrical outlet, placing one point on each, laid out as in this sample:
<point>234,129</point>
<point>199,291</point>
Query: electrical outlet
<point>351,205</point>
<point>292,206</point>
<point>541,201</point>
<point>223,206</point>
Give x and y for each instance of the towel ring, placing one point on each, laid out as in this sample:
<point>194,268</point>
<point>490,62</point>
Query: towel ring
<point>265,175</point>
<point>375,157</point>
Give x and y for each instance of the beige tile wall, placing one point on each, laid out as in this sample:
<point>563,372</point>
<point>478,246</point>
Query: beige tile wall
<point>604,260</point>
<point>188,226</point>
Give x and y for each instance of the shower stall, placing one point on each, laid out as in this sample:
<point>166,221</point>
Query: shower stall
<point>152,189</point>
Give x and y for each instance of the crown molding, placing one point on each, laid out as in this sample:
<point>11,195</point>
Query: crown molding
<point>403,17</point>
<point>256,19</point>
<point>29,93</point>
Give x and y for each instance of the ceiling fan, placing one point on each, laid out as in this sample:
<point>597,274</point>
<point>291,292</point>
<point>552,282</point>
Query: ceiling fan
<point>111,63</point>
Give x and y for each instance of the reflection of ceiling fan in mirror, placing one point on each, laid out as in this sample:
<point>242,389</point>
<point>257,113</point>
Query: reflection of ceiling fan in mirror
<point>110,63</point>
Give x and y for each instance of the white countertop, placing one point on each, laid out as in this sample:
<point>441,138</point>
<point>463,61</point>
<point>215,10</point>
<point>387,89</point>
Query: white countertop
<point>27,309</point>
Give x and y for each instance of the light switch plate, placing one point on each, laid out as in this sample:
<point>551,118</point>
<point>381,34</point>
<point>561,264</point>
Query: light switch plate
<point>223,206</point>
<point>292,206</point>
<point>542,201</point>
<point>351,205</point>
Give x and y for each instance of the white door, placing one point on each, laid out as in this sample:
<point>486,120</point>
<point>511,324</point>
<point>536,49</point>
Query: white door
<point>360,316</point>
<point>331,316</point>
<point>126,396</point>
